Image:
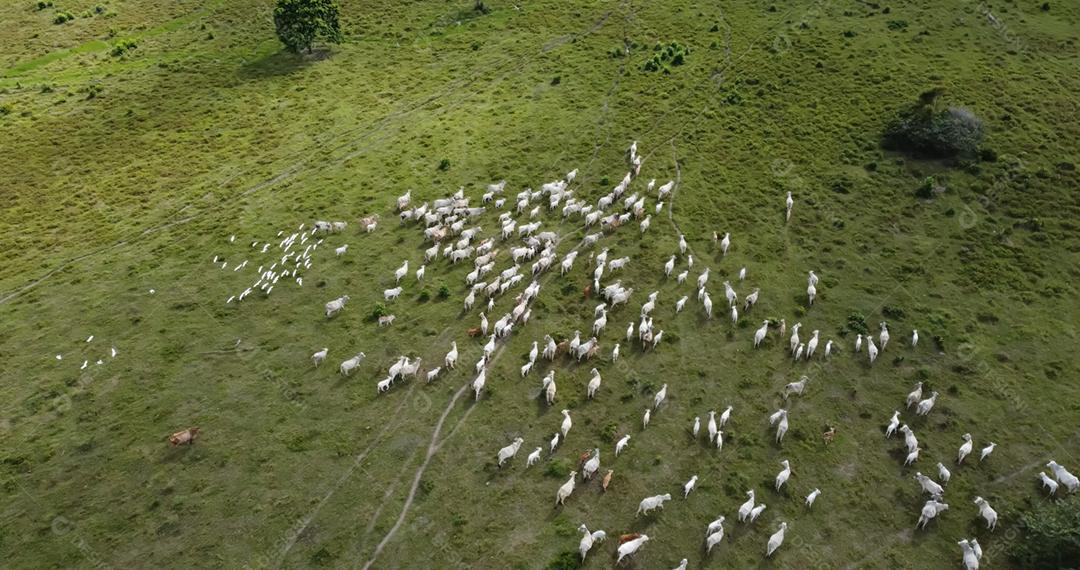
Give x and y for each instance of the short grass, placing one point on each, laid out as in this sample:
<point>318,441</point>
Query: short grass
<point>125,174</point>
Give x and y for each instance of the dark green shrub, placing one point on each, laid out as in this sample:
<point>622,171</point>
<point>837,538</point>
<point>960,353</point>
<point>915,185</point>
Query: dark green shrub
<point>444,164</point>
<point>300,22</point>
<point>425,296</point>
<point>565,560</point>
<point>63,17</point>
<point>122,47</point>
<point>897,25</point>
<point>1051,536</point>
<point>378,311</point>
<point>926,189</point>
<point>43,5</point>
<point>926,129</point>
<point>557,468</point>
<point>856,323</point>
<point>444,292</point>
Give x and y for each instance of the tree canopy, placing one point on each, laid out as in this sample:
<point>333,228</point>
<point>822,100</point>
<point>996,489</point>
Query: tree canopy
<point>300,22</point>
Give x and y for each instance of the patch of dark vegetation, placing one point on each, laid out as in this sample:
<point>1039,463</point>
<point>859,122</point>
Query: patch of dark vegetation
<point>122,47</point>
<point>565,560</point>
<point>666,56</point>
<point>931,129</point>
<point>1051,536</point>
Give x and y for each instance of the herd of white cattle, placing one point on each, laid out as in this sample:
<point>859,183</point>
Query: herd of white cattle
<point>451,225</point>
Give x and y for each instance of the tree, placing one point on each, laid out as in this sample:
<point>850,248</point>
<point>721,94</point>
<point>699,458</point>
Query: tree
<point>300,22</point>
<point>928,128</point>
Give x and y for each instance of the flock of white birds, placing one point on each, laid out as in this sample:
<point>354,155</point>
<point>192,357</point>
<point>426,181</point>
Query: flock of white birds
<point>451,226</point>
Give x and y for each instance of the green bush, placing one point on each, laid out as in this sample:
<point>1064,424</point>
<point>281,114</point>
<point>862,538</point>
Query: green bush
<point>43,5</point>
<point>856,323</point>
<point>926,129</point>
<point>1051,536</point>
<point>63,17</point>
<point>926,188</point>
<point>444,292</point>
<point>378,311</point>
<point>444,164</point>
<point>665,56</point>
<point>300,22</point>
<point>425,296</point>
<point>565,560</point>
<point>122,47</point>
<point>557,468</point>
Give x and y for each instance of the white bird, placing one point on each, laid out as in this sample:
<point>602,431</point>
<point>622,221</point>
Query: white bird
<point>986,451</point>
<point>776,540</point>
<point>689,486</point>
<point>812,497</point>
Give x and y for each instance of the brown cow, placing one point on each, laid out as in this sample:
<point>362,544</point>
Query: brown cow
<point>628,537</point>
<point>583,458</point>
<point>186,437</point>
<point>829,435</point>
<point>607,479</point>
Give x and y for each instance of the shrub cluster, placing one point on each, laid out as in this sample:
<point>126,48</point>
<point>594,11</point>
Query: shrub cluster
<point>667,56</point>
<point>925,129</point>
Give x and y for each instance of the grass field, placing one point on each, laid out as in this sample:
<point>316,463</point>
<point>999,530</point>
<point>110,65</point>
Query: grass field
<point>122,174</point>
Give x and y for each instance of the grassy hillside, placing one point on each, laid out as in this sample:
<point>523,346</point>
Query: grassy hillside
<point>126,173</point>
